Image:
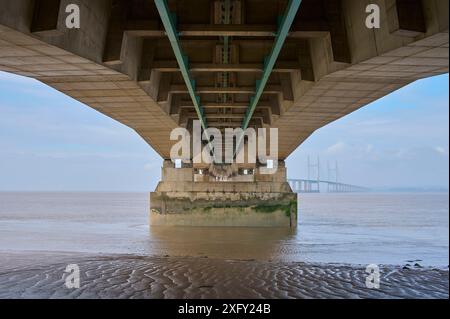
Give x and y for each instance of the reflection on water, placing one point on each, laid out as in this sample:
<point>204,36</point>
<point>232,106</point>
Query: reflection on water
<point>230,243</point>
<point>347,228</point>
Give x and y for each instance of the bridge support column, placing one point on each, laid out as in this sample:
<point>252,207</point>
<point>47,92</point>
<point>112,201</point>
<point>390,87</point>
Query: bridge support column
<point>185,197</point>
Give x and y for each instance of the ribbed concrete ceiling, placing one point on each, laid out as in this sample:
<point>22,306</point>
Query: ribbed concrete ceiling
<point>122,64</point>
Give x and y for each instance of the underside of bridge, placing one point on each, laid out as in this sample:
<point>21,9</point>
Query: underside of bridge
<point>156,65</point>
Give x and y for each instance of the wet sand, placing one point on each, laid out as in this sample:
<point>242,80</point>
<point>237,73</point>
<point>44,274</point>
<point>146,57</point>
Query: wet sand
<point>41,275</point>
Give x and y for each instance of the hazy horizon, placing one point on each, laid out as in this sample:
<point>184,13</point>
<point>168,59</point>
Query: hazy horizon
<point>50,142</point>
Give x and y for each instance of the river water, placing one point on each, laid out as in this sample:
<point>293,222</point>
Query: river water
<point>333,228</point>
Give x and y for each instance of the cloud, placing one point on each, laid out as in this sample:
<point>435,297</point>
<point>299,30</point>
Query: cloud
<point>441,150</point>
<point>336,148</point>
<point>377,122</point>
<point>28,87</point>
<point>66,155</point>
<point>151,166</point>
<point>16,79</point>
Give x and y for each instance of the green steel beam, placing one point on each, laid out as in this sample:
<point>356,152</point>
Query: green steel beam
<point>169,25</point>
<point>226,47</point>
<point>269,62</point>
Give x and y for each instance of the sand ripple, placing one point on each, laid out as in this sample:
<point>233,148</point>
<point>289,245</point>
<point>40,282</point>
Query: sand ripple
<point>188,278</point>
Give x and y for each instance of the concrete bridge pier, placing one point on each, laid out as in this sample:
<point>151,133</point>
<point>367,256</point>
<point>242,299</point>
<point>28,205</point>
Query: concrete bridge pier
<point>192,196</point>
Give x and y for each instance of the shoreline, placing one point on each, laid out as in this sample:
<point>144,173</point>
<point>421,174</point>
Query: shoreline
<point>87,254</point>
<point>41,275</point>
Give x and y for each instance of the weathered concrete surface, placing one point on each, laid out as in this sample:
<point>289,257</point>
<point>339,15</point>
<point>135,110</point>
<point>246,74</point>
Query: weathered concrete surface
<point>120,62</point>
<point>268,201</point>
<point>222,213</point>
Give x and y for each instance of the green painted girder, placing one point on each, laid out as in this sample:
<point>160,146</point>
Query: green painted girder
<point>226,46</point>
<point>269,62</point>
<point>183,61</point>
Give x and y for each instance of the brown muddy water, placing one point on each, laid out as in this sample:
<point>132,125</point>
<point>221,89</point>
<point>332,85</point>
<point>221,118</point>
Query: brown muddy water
<point>121,257</point>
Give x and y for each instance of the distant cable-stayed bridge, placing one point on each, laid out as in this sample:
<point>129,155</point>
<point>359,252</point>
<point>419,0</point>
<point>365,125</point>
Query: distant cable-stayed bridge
<point>314,186</point>
<point>332,184</point>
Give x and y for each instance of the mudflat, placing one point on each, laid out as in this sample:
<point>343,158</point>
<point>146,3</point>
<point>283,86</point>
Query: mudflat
<point>42,275</point>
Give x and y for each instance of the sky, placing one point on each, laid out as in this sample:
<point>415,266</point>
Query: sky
<point>50,142</point>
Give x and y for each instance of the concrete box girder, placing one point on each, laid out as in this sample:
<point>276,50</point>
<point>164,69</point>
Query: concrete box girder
<point>335,64</point>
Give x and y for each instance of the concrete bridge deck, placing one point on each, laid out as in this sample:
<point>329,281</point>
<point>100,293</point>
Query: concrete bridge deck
<point>121,62</point>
